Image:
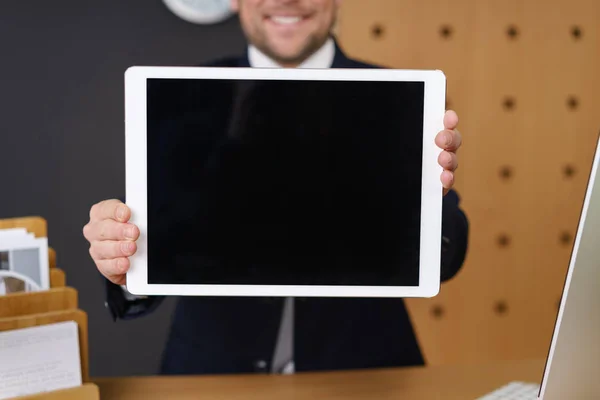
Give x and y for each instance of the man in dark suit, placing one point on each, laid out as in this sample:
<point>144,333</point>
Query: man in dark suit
<point>237,335</point>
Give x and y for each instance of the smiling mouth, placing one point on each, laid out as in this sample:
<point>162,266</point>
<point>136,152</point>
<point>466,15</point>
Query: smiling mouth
<point>285,20</point>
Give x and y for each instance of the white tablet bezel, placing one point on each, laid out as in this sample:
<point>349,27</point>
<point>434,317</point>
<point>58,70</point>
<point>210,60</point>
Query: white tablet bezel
<point>431,204</point>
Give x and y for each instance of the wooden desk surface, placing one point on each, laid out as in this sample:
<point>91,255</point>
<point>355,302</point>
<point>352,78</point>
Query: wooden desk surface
<point>444,382</point>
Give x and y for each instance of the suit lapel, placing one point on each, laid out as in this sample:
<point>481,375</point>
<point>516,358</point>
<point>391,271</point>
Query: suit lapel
<point>244,61</point>
<point>339,59</point>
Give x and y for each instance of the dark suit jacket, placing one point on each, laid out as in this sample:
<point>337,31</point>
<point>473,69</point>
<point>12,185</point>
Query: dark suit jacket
<point>237,335</point>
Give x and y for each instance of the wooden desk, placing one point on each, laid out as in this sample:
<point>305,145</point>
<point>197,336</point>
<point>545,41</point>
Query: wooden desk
<point>432,383</point>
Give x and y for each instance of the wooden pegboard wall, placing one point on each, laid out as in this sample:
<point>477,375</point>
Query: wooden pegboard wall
<point>524,80</point>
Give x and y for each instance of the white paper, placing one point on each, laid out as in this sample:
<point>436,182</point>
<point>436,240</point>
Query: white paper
<point>39,359</point>
<point>14,232</point>
<point>23,262</point>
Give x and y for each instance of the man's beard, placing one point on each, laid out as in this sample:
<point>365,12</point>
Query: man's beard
<point>313,44</point>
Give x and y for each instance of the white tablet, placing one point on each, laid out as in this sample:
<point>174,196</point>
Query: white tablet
<point>284,182</point>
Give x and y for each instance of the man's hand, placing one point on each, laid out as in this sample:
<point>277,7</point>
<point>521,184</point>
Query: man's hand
<point>112,239</point>
<point>449,140</point>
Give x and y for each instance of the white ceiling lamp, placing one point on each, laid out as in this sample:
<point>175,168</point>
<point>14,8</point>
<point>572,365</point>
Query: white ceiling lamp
<point>201,11</point>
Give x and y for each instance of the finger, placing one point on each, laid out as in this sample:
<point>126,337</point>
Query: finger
<point>447,179</point>
<point>118,280</point>
<point>110,209</point>
<point>448,140</point>
<point>109,229</point>
<point>448,160</point>
<point>114,269</point>
<point>109,249</point>
<point>450,120</point>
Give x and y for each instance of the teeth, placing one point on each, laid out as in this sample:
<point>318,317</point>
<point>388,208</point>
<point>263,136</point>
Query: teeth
<point>286,20</point>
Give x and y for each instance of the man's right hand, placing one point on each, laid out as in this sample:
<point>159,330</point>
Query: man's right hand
<point>112,239</point>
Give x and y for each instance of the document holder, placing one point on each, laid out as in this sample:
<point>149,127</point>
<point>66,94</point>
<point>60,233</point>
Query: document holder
<point>79,316</point>
<point>34,224</point>
<point>87,391</point>
<point>26,303</point>
<point>57,278</point>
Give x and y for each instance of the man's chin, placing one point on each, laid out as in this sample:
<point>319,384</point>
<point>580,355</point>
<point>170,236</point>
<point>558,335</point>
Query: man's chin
<point>286,57</point>
<point>290,54</point>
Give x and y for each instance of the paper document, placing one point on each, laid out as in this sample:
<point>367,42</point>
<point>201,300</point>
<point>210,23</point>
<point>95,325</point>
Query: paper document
<point>23,262</point>
<point>39,359</point>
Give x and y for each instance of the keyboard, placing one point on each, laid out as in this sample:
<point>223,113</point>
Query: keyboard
<point>514,391</point>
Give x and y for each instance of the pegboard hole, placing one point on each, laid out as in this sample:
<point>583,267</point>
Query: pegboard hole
<point>572,103</point>
<point>509,103</point>
<point>377,31</point>
<point>512,32</point>
<point>501,308</point>
<point>568,171</point>
<point>437,311</point>
<point>506,172</point>
<point>503,240</point>
<point>565,238</point>
<point>576,32</point>
<point>446,31</point>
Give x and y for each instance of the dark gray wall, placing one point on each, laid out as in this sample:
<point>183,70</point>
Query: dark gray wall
<point>62,139</point>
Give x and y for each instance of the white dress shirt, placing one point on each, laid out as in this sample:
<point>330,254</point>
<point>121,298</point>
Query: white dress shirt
<point>322,58</point>
<point>283,357</point>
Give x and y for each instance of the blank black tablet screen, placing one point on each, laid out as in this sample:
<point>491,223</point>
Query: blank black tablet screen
<point>284,182</point>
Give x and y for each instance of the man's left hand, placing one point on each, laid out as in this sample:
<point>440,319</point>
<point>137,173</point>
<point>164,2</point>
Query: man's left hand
<point>449,140</point>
